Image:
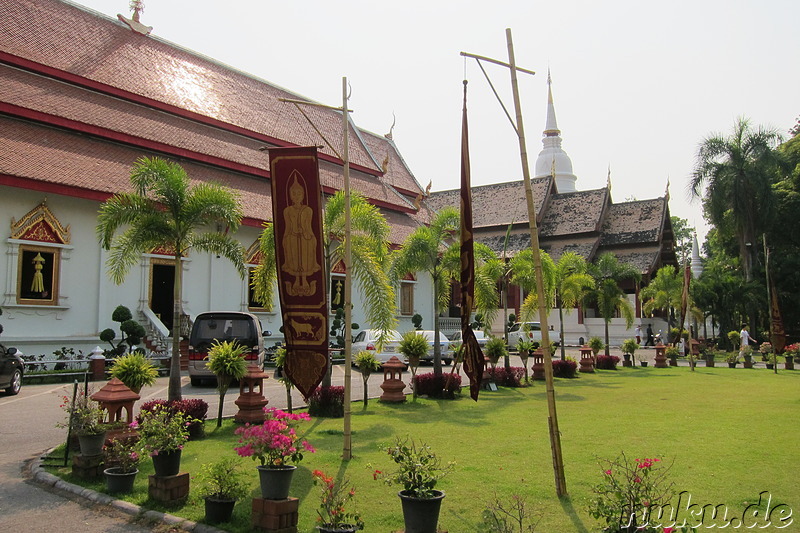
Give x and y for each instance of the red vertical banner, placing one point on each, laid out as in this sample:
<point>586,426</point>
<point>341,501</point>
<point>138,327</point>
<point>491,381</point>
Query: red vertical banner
<point>473,357</point>
<point>297,214</point>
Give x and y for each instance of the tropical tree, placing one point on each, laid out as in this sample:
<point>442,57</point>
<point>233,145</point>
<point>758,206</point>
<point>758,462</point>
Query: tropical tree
<point>734,175</point>
<point>572,283</point>
<point>435,250</point>
<point>663,293</point>
<point>164,211</point>
<point>683,236</point>
<point>369,240</point>
<point>226,361</point>
<point>607,294</point>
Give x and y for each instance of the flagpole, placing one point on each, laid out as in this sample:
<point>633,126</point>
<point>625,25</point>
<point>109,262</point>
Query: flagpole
<point>347,450</point>
<point>555,436</point>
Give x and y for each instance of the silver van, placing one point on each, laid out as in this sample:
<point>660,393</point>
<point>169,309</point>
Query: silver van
<point>223,326</point>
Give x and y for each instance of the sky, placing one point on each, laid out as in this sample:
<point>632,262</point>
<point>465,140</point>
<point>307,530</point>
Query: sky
<point>637,85</point>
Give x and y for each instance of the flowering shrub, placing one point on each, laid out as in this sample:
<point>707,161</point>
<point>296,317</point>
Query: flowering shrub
<point>433,386</point>
<point>629,490</point>
<point>765,348</point>
<point>123,453</point>
<point>274,442</point>
<point>327,402</point>
<point>418,468</point>
<point>162,430</point>
<point>564,369</point>
<point>84,415</point>
<point>607,362</point>
<point>332,512</point>
<point>792,349</point>
<point>508,377</point>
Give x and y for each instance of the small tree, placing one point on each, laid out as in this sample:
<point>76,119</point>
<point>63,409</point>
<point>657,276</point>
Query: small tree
<point>132,332</point>
<point>413,345</point>
<point>135,371</point>
<point>338,327</point>
<point>495,349</point>
<point>366,363</point>
<point>226,361</point>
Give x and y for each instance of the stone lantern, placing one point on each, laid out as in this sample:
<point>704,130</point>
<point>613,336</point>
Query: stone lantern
<point>251,400</point>
<point>392,385</point>
<point>587,359</point>
<point>538,364</point>
<point>117,399</point>
<point>661,356</point>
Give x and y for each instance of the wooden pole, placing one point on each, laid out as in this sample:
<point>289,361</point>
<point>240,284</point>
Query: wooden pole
<point>555,437</point>
<point>347,450</point>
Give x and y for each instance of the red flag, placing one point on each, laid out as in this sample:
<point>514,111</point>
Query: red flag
<point>297,214</point>
<point>473,357</point>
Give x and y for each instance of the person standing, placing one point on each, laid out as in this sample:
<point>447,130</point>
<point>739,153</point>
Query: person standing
<point>639,334</point>
<point>649,336</point>
<point>744,338</point>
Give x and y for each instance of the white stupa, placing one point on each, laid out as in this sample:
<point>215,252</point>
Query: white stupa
<point>697,263</point>
<point>553,160</point>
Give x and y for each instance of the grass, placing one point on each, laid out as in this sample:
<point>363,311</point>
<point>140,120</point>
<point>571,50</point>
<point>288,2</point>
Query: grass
<point>732,433</point>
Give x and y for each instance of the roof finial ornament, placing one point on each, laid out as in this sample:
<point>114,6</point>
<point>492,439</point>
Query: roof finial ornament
<point>137,6</point>
<point>666,191</point>
<point>608,179</point>
<point>394,121</point>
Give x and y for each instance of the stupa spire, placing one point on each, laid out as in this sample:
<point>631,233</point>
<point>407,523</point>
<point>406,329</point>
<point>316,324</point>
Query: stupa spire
<point>553,160</point>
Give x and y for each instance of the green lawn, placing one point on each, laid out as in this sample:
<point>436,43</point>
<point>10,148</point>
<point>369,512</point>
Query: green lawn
<point>732,433</point>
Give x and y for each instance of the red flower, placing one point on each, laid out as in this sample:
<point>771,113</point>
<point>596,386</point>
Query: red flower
<point>376,473</point>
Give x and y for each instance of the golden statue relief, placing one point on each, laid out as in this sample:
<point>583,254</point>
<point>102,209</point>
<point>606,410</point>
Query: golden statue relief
<point>38,279</point>
<point>299,241</point>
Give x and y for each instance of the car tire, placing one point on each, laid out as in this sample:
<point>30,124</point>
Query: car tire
<point>16,383</point>
<point>447,362</point>
<point>196,382</point>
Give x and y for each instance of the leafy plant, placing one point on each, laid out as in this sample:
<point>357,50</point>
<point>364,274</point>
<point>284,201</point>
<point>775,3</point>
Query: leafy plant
<point>275,442</point>
<point>223,480</point>
<point>413,345</point>
<point>732,357</point>
<point>672,352</point>
<point>418,469</point>
<point>366,363</point>
<point>162,430</point>
<point>226,361</point>
<point>607,362</point>
<point>508,377</point>
<point>123,453</point>
<point>495,349</point>
<point>416,320</point>
<point>327,402</point>
<point>566,368</point>
<point>596,344</point>
<point>437,385</point>
<point>629,346</point>
<point>134,370</point>
<point>338,327</point>
<point>734,338</point>
<point>194,410</point>
<point>84,415</point>
<point>332,512</point>
<point>629,490</point>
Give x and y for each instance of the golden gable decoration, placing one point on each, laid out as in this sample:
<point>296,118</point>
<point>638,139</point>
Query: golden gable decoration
<point>41,225</point>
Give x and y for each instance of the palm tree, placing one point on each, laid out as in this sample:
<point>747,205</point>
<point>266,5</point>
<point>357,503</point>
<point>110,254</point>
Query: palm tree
<point>369,235</point>
<point>163,211</point>
<point>737,173</point>
<point>435,249</point>
<point>610,299</point>
<point>663,293</point>
<point>524,276</point>
<point>572,284</point>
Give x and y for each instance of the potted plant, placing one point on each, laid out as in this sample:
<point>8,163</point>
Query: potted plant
<point>275,444</point>
<point>628,347</point>
<point>494,350</point>
<point>121,457</point>
<point>226,361</point>
<point>672,353</point>
<point>162,434</point>
<point>220,485</point>
<point>134,370</point>
<point>597,344</point>
<point>417,470</point>
<point>85,419</point>
<point>366,363</point>
<point>332,514</point>
<point>772,360</point>
<point>790,354</point>
<point>413,346</point>
<point>525,347</point>
<point>765,349</point>
<point>733,359</point>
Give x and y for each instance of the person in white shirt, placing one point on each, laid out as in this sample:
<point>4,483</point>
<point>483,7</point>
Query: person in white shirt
<point>744,337</point>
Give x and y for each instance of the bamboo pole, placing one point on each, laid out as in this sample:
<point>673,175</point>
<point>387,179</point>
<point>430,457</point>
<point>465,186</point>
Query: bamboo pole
<point>555,437</point>
<point>347,449</point>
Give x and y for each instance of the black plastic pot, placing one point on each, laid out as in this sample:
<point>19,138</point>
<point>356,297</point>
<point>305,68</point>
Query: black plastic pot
<point>167,464</point>
<point>219,510</point>
<point>421,515</point>
<point>119,481</point>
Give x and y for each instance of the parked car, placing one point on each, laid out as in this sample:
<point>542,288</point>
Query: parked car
<point>444,343</point>
<point>367,340</point>
<point>223,326</point>
<point>482,337</point>
<point>11,370</point>
<point>530,331</point>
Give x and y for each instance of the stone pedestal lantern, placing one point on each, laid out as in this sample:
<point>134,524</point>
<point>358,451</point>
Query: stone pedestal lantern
<point>251,400</point>
<point>538,364</point>
<point>117,399</point>
<point>661,356</point>
<point>97,364</point>
<point>392,385</point>
<point>587,359</point>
